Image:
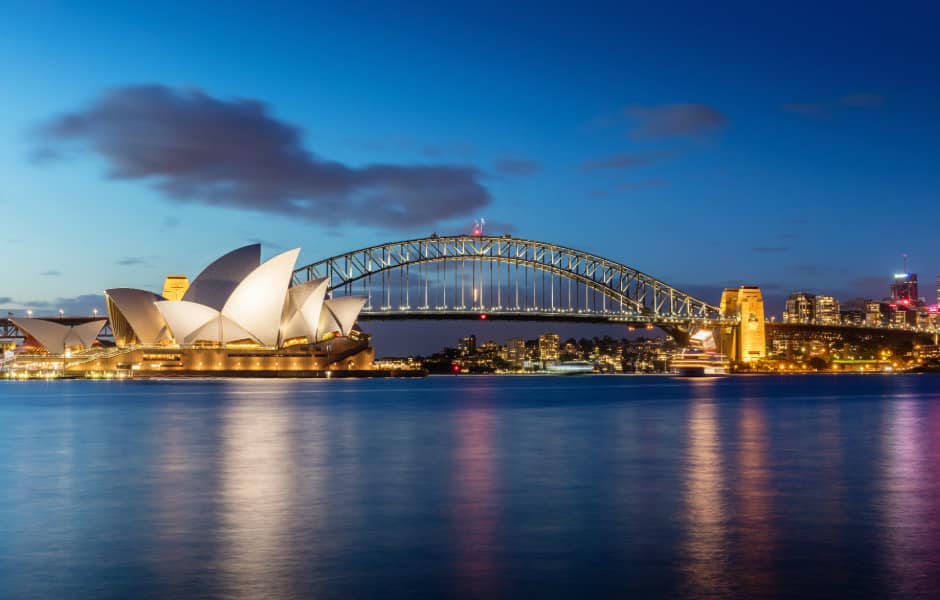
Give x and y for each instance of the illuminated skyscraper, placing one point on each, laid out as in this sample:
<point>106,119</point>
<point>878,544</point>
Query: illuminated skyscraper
<point>800,308</point>
<point>826,310</point>
<point>548,346</point>
<point>904,289</point>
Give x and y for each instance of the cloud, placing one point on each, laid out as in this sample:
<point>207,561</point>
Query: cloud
<point>770,249</point>
<point>626,160</point>
<point>864,100</point>
<point>131,261</point>
<point>195,148</point>
<point>807,109</point>
<point>675,120</point>
<point>71,306</point>
<point>5,300</point>
<point>51,273</point>
<point>447,149</point>
<point>509,165</point>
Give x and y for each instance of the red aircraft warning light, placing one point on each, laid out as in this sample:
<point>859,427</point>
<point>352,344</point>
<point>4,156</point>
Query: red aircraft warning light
<point>482,316</point>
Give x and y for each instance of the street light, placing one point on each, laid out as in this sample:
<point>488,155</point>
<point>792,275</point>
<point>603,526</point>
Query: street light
<point>94,311</point>
<point>29,313</point>
<point>61,313</point>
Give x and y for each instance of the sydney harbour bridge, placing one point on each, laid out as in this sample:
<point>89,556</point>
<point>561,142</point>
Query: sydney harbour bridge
<point>505,278</point>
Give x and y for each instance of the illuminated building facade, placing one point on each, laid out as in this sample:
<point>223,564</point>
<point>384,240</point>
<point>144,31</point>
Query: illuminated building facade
<point>800,308</point>
<point>826,310</point>
<point>752,343</point>
<point>746,341</point>
<point>904,289</point>
<point>548,346</point>
<point>175,286</point>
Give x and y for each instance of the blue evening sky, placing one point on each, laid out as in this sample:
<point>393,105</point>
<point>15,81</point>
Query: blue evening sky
<point>803,154</point>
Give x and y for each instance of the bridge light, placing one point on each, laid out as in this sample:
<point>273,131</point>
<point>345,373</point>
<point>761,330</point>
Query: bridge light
<point>482,316</point>
<point>455,368</point>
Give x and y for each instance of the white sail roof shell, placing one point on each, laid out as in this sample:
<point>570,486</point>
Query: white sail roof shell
<point>56,337</point>
<point>304,305</point>
<point>257,304</point>
<point>186,319</point>
<point>140,310</point>
<point>339,314</point>
<point>213,286</point>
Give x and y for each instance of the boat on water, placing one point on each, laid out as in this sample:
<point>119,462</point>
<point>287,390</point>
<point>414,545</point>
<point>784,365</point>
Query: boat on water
<point>695,362</point>
<point>570,367</point>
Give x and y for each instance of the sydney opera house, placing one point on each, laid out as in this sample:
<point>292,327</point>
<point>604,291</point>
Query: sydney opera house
<point>238,316</point>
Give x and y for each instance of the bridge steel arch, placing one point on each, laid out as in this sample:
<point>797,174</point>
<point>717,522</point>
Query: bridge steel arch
<point>627,295</point>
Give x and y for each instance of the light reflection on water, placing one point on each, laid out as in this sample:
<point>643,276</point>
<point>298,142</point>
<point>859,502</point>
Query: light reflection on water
<point>471,487</point>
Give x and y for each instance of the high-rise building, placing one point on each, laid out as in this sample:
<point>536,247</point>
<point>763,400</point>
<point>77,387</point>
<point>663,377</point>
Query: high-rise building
<point>826,310</point>
<point>175,286</point>
<point>904,289</point>
<point>800,308</point>
<point>873,315</point>
<point>752,340</point>
<point>515,351</point>
<point>548,346</point>
<point>467,345</point>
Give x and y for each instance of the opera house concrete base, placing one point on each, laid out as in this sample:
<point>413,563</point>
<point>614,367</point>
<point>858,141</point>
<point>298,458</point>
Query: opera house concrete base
<point>337,358</point>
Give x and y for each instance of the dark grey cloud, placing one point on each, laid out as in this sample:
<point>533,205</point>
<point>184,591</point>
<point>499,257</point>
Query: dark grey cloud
<point>130,261</point>
<point>863,100</point>
<point>675,120</point>
<point>509,165</point>
<point>268,244</point>
<point>770,249</point>
<point>82,305</point>
<point>447,149</point>
<point>626,160</point>
<point>6,300</point>
<point>235,154</point>
<point>51,273</point>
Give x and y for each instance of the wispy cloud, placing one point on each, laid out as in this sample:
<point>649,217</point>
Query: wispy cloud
<point>233,153</point>
<point>626,160</point>
<point>675,120</point>
<point>514,166</point>
<point>130,261</point>
<point>51,273</point>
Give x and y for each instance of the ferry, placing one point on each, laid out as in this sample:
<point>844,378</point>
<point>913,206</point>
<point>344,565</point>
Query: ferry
<point>695,362</point>
<point>570,367</point>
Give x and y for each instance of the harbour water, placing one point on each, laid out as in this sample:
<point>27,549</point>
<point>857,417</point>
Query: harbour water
<point>471,486</point>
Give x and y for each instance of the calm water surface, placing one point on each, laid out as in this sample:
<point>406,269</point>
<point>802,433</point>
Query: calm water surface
<point>471,487</point>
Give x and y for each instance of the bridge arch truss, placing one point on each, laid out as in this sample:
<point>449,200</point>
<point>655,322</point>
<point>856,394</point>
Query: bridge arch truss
<point>455,276</point>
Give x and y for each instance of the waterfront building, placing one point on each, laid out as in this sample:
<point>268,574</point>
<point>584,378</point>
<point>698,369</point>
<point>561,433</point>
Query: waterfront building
<point>238,315</point>
<point>515,351</point>
<point>548,346</point>
<point>826,310</point>
<point>800,308</point>
<point>467,345</point>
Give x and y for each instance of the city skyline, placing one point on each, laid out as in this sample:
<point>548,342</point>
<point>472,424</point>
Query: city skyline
<point>791,160</point>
